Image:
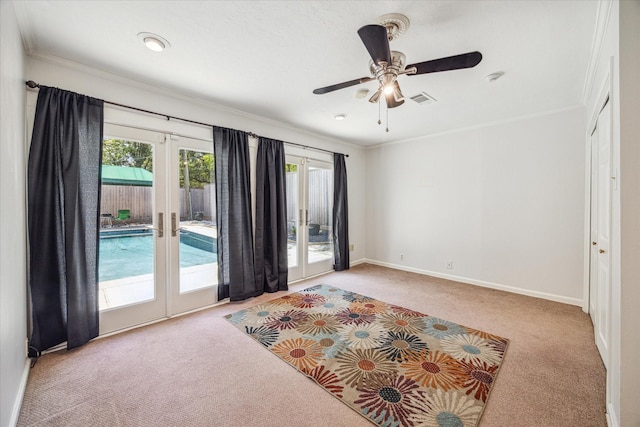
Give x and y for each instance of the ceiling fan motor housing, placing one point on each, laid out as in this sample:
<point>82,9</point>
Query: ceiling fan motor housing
<point>395,23</point>
<point>388,73</point>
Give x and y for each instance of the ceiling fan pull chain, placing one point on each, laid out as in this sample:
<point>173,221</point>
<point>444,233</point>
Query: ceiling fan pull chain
<point>387,118</point>
<point>379,121</point>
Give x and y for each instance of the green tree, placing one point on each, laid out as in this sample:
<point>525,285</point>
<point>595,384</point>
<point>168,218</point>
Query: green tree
<point>118,152</point>
<point>200,169</point>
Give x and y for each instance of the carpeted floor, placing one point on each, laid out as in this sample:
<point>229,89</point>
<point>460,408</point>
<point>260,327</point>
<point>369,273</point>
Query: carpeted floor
<point>196,370</point>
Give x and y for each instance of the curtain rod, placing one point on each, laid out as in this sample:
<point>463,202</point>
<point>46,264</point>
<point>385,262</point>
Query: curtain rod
<point>33,85</point>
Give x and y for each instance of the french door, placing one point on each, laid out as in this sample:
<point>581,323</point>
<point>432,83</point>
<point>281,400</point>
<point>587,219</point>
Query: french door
<point>193,248</point>
<point>309,216</point>
<point>157,249</point>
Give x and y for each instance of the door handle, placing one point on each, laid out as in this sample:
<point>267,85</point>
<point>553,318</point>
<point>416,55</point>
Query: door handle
<point>160,228</point>
<point>601,251</point>
<point>307,216</point>
<point>174,225</point>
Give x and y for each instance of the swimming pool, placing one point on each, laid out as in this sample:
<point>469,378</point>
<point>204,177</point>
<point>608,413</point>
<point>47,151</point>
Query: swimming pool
<point>127,253</point>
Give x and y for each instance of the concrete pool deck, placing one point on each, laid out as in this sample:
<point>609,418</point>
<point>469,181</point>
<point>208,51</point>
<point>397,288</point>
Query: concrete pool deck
<point>137,289</point>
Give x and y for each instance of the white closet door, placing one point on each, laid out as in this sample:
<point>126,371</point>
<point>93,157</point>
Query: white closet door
<point>600,270</point>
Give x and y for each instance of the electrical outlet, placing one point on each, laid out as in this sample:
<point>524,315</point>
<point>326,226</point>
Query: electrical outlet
<point>352,247</point>
<point>449,265</point>
<point>401,257</point>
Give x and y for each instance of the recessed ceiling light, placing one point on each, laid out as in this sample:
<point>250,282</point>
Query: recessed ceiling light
<point>494,76</point>
<point>154,41</point>
<point>154,44</point>
<point>340,116</point>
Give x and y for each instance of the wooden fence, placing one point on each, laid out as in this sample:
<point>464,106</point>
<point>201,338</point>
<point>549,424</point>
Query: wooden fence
<point>203,203</point>
<point>138,200</point>
<point>320,192</point>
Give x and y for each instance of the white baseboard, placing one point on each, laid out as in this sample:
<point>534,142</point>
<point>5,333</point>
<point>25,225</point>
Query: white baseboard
<point>15,412</point>
<point>357,262</point>
<point>612,420</point>
<point>484,284</point>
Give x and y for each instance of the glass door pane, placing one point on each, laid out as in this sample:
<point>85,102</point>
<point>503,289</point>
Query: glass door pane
<point>295,227</point>
<point>193,218</point>
<point>130,251</point>
<point>319,217</point>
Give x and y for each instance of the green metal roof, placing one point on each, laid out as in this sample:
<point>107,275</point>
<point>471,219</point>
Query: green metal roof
<point>123,175</point>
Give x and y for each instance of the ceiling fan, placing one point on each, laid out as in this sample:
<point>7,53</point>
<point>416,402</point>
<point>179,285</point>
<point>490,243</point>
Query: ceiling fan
<point>386,64</point>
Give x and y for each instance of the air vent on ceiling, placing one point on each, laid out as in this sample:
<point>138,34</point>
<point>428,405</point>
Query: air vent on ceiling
<point>423,98</point>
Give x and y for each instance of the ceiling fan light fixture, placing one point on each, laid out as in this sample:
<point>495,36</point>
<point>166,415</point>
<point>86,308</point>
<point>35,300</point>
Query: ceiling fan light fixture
<point>376,96</point>
<point>388,89</point>
<point>397,95</point>
<point>154,42</point>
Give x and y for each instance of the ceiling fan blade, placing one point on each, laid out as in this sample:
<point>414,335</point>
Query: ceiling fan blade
<point>375,40</point>
<point>465,60</point>
<point>395,98</point>
<point>343,85</point>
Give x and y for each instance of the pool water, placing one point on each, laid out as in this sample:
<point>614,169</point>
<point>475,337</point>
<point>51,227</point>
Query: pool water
<point>127,256</point>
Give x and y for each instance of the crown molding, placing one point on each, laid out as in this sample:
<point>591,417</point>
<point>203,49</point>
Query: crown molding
<point>602,22</point>
<point>26,27</point>
<point>475,127</point>
<point>192,98</point>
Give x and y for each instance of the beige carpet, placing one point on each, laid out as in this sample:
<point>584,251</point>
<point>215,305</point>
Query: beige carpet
<point>196,370</point>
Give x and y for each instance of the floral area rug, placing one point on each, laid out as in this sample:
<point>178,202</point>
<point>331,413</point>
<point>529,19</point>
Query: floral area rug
<point>394,366</point>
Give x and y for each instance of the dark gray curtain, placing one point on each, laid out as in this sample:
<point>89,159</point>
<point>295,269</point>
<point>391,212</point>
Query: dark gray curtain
<point>340,214</point>
<point>63,218</point>
<point>236,274</point>
<point>271,261</point>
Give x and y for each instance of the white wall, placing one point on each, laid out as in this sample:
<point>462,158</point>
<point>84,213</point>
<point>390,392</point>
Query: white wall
<point>13,297</point>
<point>109,87</point>
<point>504,203</point>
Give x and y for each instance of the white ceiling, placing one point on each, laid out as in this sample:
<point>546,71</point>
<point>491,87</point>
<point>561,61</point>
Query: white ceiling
<point>266,57</point>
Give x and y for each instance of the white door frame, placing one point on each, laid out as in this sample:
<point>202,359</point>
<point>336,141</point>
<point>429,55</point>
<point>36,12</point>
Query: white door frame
<point>603,242</point>
<point>593,230</point>
<point>600,132</point>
